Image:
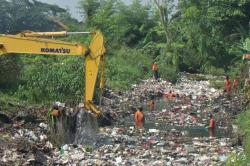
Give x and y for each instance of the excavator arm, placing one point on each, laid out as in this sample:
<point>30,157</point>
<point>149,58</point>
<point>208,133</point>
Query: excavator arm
<point>35,43</point>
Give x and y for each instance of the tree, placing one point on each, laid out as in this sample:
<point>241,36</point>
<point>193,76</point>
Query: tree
<point>89,8</point>
<point>165,9</point>
<point>209,31</point>
<point>17,16</point>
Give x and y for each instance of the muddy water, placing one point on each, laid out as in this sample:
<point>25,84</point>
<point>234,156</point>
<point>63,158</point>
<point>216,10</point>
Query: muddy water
<point>86,126</point>
<point>196,131</point>
<point>190,131</point>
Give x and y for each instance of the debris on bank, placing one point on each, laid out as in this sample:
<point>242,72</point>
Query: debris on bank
<point>165,140</point>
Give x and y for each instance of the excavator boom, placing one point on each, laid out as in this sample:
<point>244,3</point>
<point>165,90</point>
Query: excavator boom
<point>27,45</point>
<point>36,43</point>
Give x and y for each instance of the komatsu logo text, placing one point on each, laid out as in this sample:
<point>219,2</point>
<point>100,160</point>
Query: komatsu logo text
<point>56,50</point>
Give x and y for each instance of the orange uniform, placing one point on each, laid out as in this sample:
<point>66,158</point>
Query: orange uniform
<point>235,85</point>
<point>139,119</point>
<point>211,123</point>
<point>170,95</point>
<point>154,67</point>
<point>151,105</point>
<point>211,130</point>
<point>227,86</point>
<point>155,71</point>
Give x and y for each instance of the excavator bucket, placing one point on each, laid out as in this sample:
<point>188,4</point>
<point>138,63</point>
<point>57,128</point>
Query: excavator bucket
<point>77,126</point>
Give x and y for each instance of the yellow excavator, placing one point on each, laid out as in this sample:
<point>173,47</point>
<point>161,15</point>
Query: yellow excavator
<point>29,42</point>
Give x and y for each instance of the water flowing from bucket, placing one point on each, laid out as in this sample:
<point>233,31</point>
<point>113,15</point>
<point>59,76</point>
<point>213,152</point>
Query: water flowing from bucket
<point>86,128</point>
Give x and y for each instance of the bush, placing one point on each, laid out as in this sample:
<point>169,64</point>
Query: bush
<point>126,67</point>
<point>213,70</point>
<point>168,66</point>
<point>236,160</point>
<point>217,84</point>
<point>52,79</point>
<point>196,77</point>
<point>9,72</point>
<point>243,122</point>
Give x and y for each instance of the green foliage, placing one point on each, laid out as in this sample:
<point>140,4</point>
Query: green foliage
<point>247,92</point>
<point>213,70</point>
<point>33,75</point>
<point>207,30</point>
<point>126,67</point>
<point>128,34</point>
<point>9,103</point>
<point>20,15</point>
<point>197,77</point>
<point>9,72</point>
<point>167,68</point>
<point>49,79</point>
<point>121,23</point>
<point>236,160</point>
<point>217,84</point>
<point>195,36</point>
<point>246,45</point>
<point>243,121</point>
<point>89,8</point>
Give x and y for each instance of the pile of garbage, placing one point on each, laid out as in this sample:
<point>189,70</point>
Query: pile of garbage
<point>167,138</point>
<point>120,146</point>
<point>184,86</point>
<point>151,147</point>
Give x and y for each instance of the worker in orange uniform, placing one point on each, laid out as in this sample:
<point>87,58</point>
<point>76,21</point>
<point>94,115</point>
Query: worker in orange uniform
<point>139,118</point>
<point>235,85</point>
<point>211,126</point>
<point>227,85</point>
<point>151,103</point>
<point>155,70</point>
<point>54,114</point>
<point>170,95</point>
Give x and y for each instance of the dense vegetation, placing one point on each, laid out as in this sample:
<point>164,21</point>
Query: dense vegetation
<point>196,36</point>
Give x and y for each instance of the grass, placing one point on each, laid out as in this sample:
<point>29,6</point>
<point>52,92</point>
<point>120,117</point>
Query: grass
<point>237,160</point>
<point>9,103</point>
<point>217,84</point>
<point>196,77</point>
<point>243,122</point>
